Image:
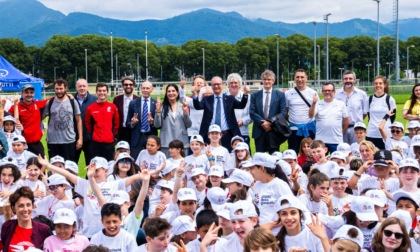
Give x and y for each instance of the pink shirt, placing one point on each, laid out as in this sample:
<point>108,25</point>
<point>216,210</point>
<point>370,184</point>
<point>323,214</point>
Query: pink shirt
<point>77,244</point>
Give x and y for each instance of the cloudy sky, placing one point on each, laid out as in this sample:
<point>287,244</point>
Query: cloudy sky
<point>292,11</point>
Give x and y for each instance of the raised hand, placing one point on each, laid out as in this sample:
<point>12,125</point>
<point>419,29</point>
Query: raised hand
<point>181,168</point>
<point>315,99</point>
<point>211,236</point>
<point>42,161</point>
<point>194,90</point>
<point>317,228</point>
<point>134,119</point>
<point>208,151</point>
<point>160,209</point>
<point>38,193</point>
<point>185,106</point>
<point>158,105</point>
<point>15,100</point>
<point>91,169</point>
<point>150,118</point>
<point>181,248</point>
<point>245,89</point>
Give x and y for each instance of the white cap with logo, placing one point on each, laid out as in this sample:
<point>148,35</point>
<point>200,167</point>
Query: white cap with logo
<point>239,176</point>
<point>64,216</point>
<point>120,197</point>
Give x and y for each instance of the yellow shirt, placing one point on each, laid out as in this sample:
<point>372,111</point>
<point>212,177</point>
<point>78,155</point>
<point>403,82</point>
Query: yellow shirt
<point>416,108</point>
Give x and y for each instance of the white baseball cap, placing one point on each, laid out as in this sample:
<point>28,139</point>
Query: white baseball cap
<point>239,176</point>
<point>217,198</point>
<point>122,145</point>
<point>286,168</point>
<point>344,147</point>
<point>241,146</point>
<point>9,161</point>
<point>359,125</point>
<point>165,184</point>
<point>100,162</point>
<point>170,166</point>
<point>216,170</point>
<point>289,154</point>
<point>57,159</point>
<point>336,173</point>
<point>119,197</point>
<point>57,179</point>
<point>72,166</point>
<point>277,155</point>
<point>378,197</point>
<point>246,207</point>
<point>186,194</point>
<point>65,216</point>
<point>197,138</point>
<point>124,155</point>
<point>409,162</point>
<point>9,118</point>
<point>224,211</point>
<point>293,202</point>
<point>197,171</point>
<point>415,141</point>
<point>262,159</point>
<point>236,138</point>
<point>397,125</point>
<point>405,216</point>
<point>182,224</point>
<point>215,128</point>
<point>364,209</point>
<point>338,155</point>
<point>18,139</point>
<point>411,124</point>
<point>343,234</point>
<point>402,194</point>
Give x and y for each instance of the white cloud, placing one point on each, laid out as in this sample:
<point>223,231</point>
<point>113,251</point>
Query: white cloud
<point>275,10</point>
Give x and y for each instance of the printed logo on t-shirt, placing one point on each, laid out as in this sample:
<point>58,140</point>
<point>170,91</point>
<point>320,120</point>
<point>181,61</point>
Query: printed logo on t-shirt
<point>256,199</point>
<point>144,165</point>
<point>22,246</point>
<point>266,200</point>
<point>189,168</point>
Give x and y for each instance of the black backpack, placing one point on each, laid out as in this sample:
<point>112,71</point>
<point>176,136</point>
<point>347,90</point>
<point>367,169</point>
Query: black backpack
<point>387,98</point>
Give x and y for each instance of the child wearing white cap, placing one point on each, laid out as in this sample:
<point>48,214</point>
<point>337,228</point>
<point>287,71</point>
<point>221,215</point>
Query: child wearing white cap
<point>412,127</point>
<point>197,159</point>
<point>186,201</point>
<point>167,175</point>
<point>65,238</point>
<point>57,185</point>
<point>409,174</point>
<point>183,228</point>
<point>347,238</point>
<point>240,153</point>
<point>215,177</point>
<point>10,128</point>
<point>319,152</point>
<point>397,132</point>
<point>292,234</point>
<point>199,178</point>
<point>239,184</point>
<point>268,186</point>
<point>19,152</point>
<point>360,135</point>
<point>31,177</point>
<point>123,167</point>
<point>165,204</point>
<point>290,157</point>
<point>219,153</point>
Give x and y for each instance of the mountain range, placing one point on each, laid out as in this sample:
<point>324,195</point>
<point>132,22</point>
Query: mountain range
<point>34,24</point>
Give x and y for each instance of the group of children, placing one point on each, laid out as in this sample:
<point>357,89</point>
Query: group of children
<point>213,200</point>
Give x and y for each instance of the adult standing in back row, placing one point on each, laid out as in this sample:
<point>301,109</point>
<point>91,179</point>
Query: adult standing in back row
<point>266,103</point>
<point>122,101</point>
<point>298,102</point>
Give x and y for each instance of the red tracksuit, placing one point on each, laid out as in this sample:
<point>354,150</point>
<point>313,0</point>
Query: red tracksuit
<point>103,120</point>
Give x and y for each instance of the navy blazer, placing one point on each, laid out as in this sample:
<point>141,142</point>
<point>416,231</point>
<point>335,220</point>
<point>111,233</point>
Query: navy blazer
<point>135,107</point>
<point>119,102</point>
<point>256,109</point>
<point>90,99</point>
<point>230,103</point>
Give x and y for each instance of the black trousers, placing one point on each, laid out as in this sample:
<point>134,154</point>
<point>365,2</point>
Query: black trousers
<point>86,150</point>
<point>105,150</point>
<point>36,148</point>
<point>378,142</point>
<point>124,134</point>
<point>67,151</point>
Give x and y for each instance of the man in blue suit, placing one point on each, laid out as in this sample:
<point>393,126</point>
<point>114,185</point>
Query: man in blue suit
<point>265,104</point>
<point>140,116</point>
<point>220,109</point>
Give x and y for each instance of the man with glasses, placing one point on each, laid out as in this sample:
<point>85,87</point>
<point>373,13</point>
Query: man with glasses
<point>331,117</point>
<point>220,109</point>
<point>122,101</point>
<point>356,102</point>
<point>265,104</point>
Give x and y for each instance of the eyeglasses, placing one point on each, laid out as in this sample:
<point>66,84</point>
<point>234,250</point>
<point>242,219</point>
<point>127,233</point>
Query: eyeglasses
<point>125,161</point>
<point>217,84</point>
<point>397,235</point>
<point>327,91</point>
<point>128,85</point>
<point>396,131</point>
<point>53,187</point>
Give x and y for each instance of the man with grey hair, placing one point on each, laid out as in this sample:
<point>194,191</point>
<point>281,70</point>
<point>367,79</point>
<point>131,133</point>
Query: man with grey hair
<point>266,103</point>
<point>356,102</point>
<point>234,81</point>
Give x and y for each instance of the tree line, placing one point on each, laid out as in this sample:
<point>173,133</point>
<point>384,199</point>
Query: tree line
<point>64,56</point>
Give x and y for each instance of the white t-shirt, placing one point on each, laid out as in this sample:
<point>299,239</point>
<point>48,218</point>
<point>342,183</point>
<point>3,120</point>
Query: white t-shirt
<point>327,168</point>
<point>393,144</point>
<point>200,196</point>
<point>194,245</point>
<point>170,248</point>
<point>10,135</point>
<point>377,110</point>
<point>234,244</point>
<point>355,150</point>
<point>37,185</point>
<point>91,210</point>
<point>298,110</point>
<point>196,117</point>
<point>50,204</point>
<point>265,196</point>
<point>391,184</point>
<point>152,162</point>
<point>122,242</point>
<point>313,206</point>
<point>221,156</point>
<point>407,140</point>
<point>195,162</point>
<point>79,217</point>
<point>21,158</point>
<point>339,203</point>
<point>329,121</point>
<point>305,239</point>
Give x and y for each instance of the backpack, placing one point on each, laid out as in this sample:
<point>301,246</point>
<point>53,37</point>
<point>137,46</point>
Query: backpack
<point>387,98</point>
<point>51,101</point>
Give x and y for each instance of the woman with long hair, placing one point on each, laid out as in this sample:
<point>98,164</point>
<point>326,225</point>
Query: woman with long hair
<point>411,110</point>
<point>391,236</point>
<point>173,119</point>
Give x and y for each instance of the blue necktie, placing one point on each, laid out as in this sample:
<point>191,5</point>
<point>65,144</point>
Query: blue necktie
<point>144,115</point>
<point>218,119</point>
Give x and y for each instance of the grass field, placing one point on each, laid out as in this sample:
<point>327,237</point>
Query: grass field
<point>399,98</point>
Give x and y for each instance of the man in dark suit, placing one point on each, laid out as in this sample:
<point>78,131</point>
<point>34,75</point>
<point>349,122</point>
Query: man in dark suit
<point>122,101</point>
<point>220,109</point>
<point>265,104</point>
<point>140,119</point>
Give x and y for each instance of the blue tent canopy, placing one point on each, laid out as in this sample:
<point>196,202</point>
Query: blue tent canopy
<point>11,77</point>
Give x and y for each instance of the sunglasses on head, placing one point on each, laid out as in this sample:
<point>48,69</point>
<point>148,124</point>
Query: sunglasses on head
<point>396,131</point>
<point>389,233</point>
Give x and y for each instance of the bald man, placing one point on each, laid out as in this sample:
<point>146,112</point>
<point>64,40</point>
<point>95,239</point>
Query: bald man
<point>140,116</point>
<point>84,99</point>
